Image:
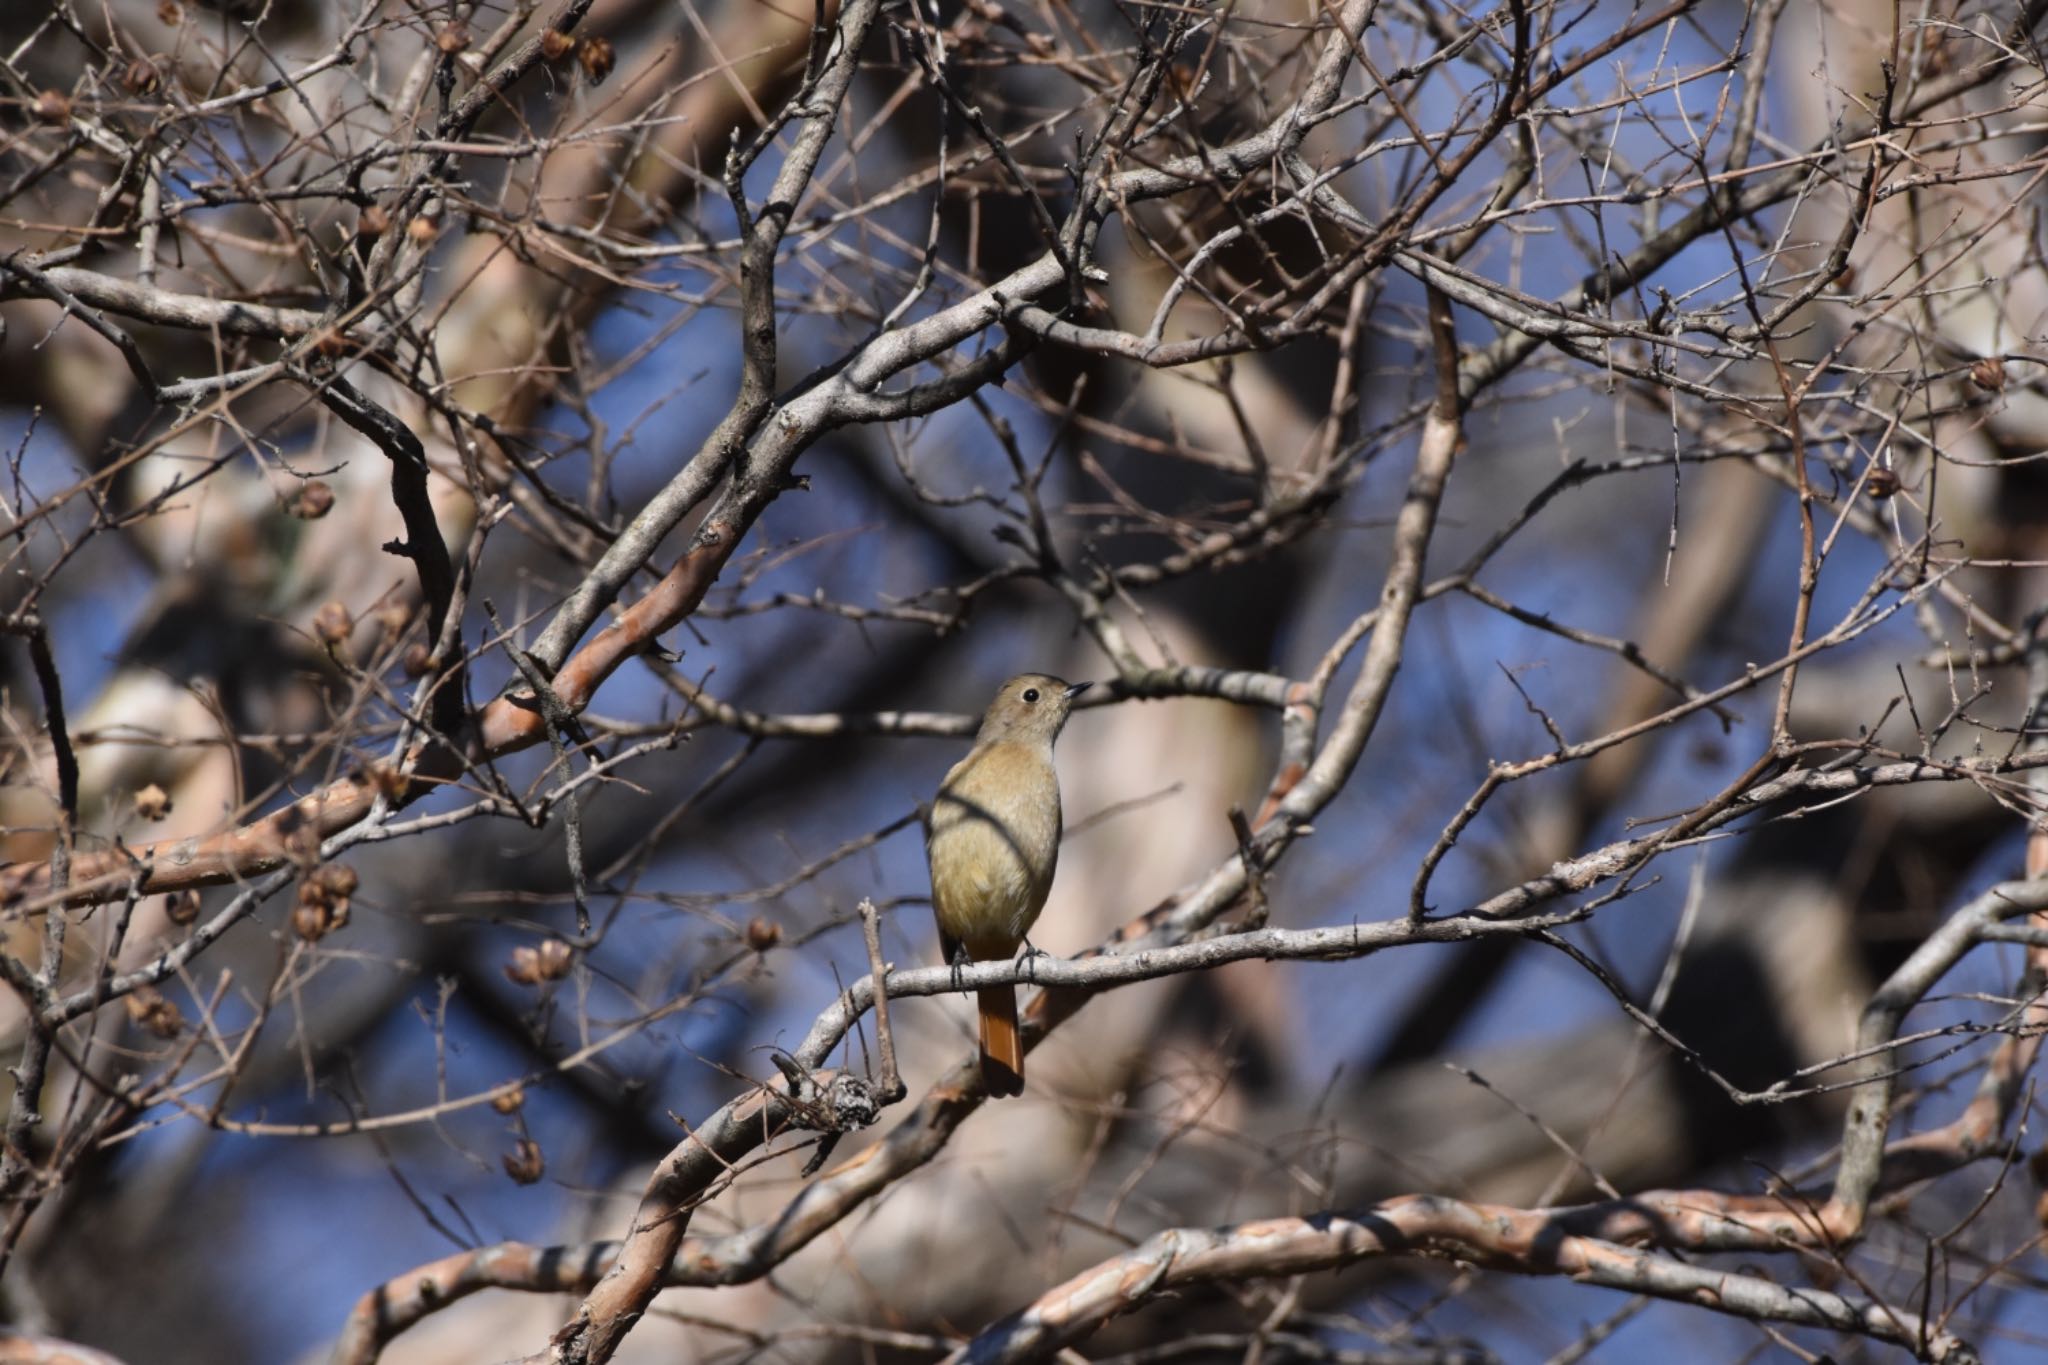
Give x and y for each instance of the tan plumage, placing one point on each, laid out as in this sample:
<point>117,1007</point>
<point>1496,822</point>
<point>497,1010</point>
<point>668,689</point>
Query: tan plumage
<point>993,843</point>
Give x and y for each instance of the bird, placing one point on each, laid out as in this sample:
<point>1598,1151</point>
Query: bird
<point>993,842</point>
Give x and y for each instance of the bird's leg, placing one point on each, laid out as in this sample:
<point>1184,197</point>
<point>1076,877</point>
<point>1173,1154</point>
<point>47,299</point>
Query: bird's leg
<point>958,962</point>
<point>1032,952</point>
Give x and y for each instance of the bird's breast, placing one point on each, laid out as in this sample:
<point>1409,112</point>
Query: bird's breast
<point>993,845</point>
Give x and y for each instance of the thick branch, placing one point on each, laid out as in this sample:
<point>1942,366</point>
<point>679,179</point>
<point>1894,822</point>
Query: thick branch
<point>1521,1241</point>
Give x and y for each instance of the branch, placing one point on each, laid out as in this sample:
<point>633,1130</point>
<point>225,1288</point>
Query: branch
<point>1520,1241</point>
<point>1690,1220</point>
<point>147,303</point>
<point>423,544</point>
<point>817,106</point>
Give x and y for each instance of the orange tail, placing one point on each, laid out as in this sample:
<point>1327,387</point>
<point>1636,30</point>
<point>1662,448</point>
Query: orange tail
<point>1002,1051</point>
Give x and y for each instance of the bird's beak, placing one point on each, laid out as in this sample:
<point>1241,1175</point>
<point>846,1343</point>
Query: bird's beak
<point>1076,689</point>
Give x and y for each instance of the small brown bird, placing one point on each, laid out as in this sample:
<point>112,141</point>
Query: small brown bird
<point>993,842</point>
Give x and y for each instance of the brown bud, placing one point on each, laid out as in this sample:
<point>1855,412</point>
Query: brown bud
<point>332,626</point>
<point>389,782</point>
<point>555,44</point>
<point>418,661</point>
<point>597,58</point>
<point>511,1102</point>
<point>1881,483</point>
<point>763,934</point>
<point>453,37</point>
<point>52,106</point>
<point>314,500</point>
<point>323,901</point>
<point>170,12</point>
<point>373,221</point>
<point>532,965</point>
<point>1845,278</point>
<point>334,882</point>
<point>1988,374</point>
<point>182,907</point>
<point>394,617</point>
<point>329,342</point>
<point>315,920</point>
<point>142,76</point>
<point>524,1163</point>
<point>423,230</point>
<point>152,802</point>
<point>150,1011</point>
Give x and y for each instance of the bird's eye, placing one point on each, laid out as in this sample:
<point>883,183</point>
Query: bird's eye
<point>1031,694</point>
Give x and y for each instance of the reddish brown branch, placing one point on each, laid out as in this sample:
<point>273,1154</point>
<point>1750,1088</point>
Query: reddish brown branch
<point>295,833</point>
<point>1695,1220</point>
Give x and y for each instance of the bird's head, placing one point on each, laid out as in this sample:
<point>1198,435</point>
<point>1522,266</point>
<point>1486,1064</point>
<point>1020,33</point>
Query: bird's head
<point>1031,707</point>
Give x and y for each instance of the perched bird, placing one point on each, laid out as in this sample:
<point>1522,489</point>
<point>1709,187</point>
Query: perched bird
<point>993,841</point>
